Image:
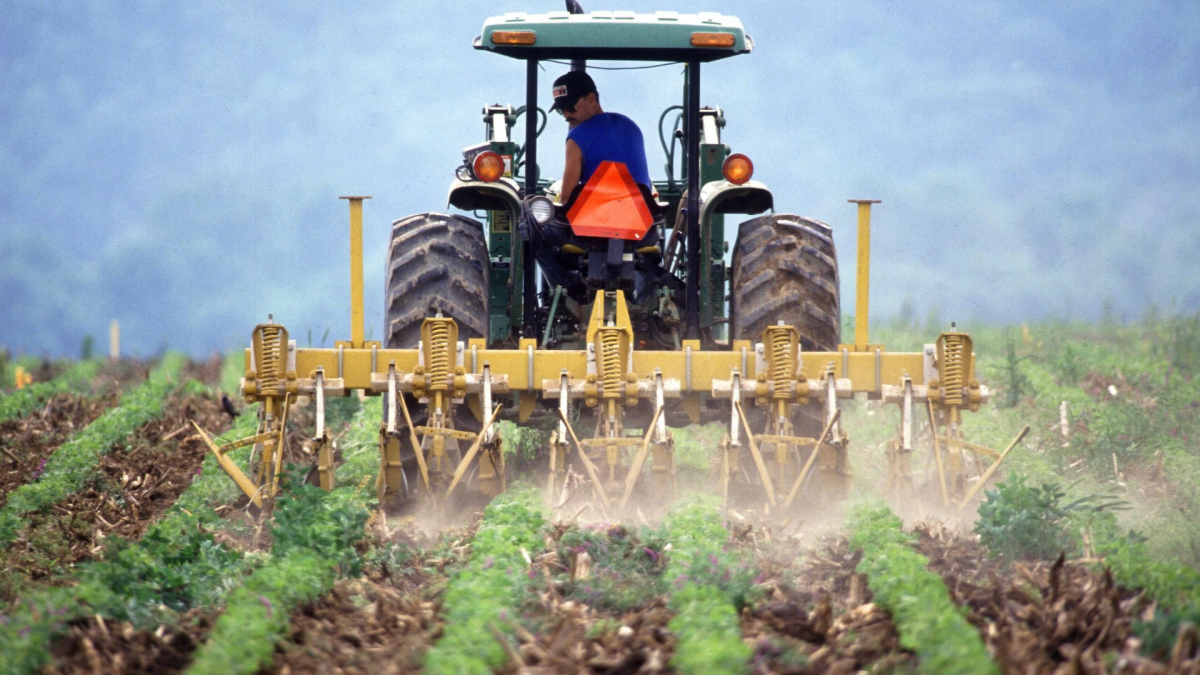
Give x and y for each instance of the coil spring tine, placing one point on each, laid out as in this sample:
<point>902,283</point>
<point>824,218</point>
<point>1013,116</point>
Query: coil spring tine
<point>610,362</point>
<point>269,371</point>
<point>439,367</point>
<point>954,369</point>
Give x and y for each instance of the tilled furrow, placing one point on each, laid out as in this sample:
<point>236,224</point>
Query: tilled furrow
<point>1045,617</point>
<point>26,442</point>
<point>133,485</point>
<point>819,619</point>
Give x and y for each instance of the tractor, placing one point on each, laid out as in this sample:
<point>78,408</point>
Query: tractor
<point>611,308</point>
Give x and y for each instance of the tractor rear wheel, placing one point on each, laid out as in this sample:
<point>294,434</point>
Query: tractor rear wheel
<point>436,263</point>
<point>785,269</point>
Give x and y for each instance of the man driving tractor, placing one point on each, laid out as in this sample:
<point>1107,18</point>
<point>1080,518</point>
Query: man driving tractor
<point>595,136</point>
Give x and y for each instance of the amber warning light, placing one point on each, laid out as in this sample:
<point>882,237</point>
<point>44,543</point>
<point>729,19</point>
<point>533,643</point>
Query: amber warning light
<point>737,168</point>
<point>489,167</point>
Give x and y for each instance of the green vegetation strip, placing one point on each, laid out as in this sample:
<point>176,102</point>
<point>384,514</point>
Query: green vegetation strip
<point>313,537</point>
<point>21,402</point>
<point>927,619</point>
<point>66,469</point>
<point>313,534</point>
<point>176,565</point>
<point>490,588</point>
<point>708,587</point>
<point>1175,587</point>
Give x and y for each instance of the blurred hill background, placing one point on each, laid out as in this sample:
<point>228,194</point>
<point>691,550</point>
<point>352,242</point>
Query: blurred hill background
<point>177,166</point>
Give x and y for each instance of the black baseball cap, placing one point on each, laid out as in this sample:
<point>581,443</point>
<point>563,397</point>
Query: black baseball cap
<point>570,88</point>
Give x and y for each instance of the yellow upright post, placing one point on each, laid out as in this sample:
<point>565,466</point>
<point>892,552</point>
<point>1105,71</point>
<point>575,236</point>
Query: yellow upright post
<point>114,340</point>
<point>862,309</point>
<point>356,272</point>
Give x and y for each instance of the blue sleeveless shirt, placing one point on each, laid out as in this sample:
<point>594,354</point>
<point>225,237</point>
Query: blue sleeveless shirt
<point>611,137</point>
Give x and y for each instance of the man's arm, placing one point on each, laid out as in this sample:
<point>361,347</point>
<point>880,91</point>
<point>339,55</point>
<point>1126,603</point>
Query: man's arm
<point>572,170</point>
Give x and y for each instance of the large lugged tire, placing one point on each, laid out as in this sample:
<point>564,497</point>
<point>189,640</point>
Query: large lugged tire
<point>785,269</point>
<point>436,263</point>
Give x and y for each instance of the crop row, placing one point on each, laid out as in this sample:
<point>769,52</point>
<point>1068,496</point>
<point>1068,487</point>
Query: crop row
<point>66,469</point>
<point>490,587</point>
<point>927,619</point>
<point>708,586</point>
<point>1174,587</point>
<point>21,402</point>
<point>313,534</point>
<point>177,565</point>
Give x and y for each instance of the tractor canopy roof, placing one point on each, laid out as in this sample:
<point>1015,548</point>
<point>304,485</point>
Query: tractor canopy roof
<point>615,36</point>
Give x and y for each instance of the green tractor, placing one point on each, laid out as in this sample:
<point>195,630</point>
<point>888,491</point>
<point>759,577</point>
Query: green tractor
<point>613,302</point>
<point>484,275</point>
<point>676,284</point>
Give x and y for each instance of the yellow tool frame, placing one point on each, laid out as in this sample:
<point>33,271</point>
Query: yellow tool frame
<point>609,376</point>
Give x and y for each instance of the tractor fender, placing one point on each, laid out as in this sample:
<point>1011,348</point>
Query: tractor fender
<point>721,196</point>
<point>476,195</point>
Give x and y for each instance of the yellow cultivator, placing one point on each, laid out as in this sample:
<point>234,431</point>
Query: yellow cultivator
<point>618,383</point>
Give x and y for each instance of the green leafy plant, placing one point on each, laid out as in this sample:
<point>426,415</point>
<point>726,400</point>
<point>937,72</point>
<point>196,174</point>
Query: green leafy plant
<point>1018,521</point>
<point>489,588</point>
<point>704,591</point>
<point>313,534</point>
<point>626,566</point>
<point>928,621</point>
<point>1158,635</point>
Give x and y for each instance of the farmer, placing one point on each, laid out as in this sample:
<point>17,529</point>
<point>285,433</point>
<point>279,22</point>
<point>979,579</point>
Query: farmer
<point>595,136</point>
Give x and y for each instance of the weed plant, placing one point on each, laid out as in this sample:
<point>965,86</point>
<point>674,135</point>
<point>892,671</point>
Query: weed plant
<point>1018,521</point>
<point>927,619</point>
<point>627,566</point>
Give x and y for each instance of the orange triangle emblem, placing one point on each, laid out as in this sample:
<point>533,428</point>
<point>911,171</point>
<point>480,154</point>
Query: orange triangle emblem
<point>610,205</point>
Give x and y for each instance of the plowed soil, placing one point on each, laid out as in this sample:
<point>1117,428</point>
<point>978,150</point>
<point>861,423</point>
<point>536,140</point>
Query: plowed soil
<point>381,624</point>
<point>121,374</point>
<point>207,371</point>
<point>135,484</point>
<point>818,618</point>
<point>25,443</point>
<point>93,646</point>
<point>1045,617</point>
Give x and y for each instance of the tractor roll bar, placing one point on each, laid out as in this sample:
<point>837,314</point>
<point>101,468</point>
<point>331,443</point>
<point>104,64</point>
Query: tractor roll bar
<point>528,265</point>
<point>692,131</point>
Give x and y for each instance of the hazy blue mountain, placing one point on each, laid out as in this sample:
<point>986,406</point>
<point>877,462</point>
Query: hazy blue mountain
<point>177,166</point>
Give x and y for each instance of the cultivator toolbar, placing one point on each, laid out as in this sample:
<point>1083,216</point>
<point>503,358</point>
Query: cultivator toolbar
<point>759,385</point>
